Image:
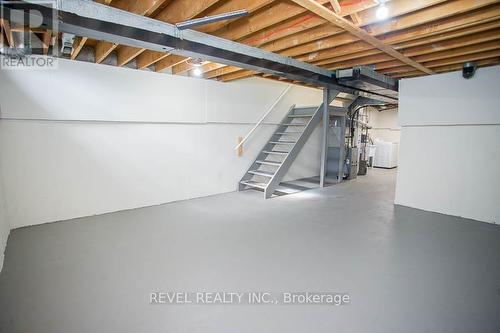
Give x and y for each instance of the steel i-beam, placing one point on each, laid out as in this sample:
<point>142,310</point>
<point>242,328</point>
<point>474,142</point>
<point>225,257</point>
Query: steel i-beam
<point>100,22</point>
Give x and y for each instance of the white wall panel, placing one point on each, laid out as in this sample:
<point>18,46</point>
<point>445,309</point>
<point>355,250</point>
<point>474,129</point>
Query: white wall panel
<point>450,145</point>
<point>451,170</point>
<point>449,99</point>
<point>60,164</point>
<point>242,101</point>
<point>385,125</point>
<point>4,234</point>
<point>4,224</point>
<point>84,91</point>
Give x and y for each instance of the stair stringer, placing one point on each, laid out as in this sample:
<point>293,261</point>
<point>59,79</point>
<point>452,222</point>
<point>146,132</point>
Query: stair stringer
<point>294,152</point>
<point>268,146</point>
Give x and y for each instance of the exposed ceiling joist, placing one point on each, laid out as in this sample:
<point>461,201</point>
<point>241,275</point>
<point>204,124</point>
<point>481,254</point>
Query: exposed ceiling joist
<point>324,37</point>
<point>301,25</point>
<point>335,6</point>
<point>169,62</point>
<point>119,27</point>
<point>142,7</point>
<point>185,10</point>
<point>125,55</point>
<point>383,61</point>
<point>424,34</point>
<point>268,22</point>
<point>103,49</point>
<point>355,19</point>
<point>338,20</point>
<point>328,47</point>
<point>175,12</point>
<point>427,31</point>
<point>148,57</point>
<point>5,25</point>
<point>77,46</point>
<point>440,44</point>
<point>448,68</point>
<point>46,38</point>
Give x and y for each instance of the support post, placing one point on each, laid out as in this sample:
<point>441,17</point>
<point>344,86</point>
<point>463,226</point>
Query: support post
<point>324,141</point>
<point>340,176</point>
<point>328,96</point>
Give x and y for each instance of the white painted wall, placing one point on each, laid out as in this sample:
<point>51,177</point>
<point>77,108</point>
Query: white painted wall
<point>385,125</point>
<point>89,139</point>
<point>85,91</point>
<point>450,144</point>
<point>4,224</point>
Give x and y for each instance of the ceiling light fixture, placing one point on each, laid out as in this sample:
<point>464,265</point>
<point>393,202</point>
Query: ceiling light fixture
<point>195,62</point>
<point>197,71</point>
<point>382,11</point>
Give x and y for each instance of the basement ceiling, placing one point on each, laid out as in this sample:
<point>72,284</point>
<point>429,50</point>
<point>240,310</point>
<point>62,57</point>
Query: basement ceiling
<point>436,35</point>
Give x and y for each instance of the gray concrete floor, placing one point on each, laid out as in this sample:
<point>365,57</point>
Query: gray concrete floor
<point>406,270</point>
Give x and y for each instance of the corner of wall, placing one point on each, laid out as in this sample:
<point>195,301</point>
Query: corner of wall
<point>448,154</point>
<point>4,223</point>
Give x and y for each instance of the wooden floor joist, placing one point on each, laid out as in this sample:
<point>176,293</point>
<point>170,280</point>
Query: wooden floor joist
<point>77,46</point>
<point>439,42</point>
<point>46,38</point>
<point>315,51</point>
<point>142,7</point>
<point>409,38</point>
<point>269,23</point>
<point>185,10</point>
<point>417,13</point>
<point>448,68</point>
<point>175,12</point>
<point>148,58</point>
<point>126,54</point>
<point>329,15</point>
<point>335,6</point>
<point>447,61</point>
<point>418,37</point>
<point>102,50</point>
<point>5,27</point>
<point>168,62</point>
<point>424,52</point>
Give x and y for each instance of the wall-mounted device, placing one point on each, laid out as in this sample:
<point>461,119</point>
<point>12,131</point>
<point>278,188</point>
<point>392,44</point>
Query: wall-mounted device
<point>67,41</point>
<point>469,70</point>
